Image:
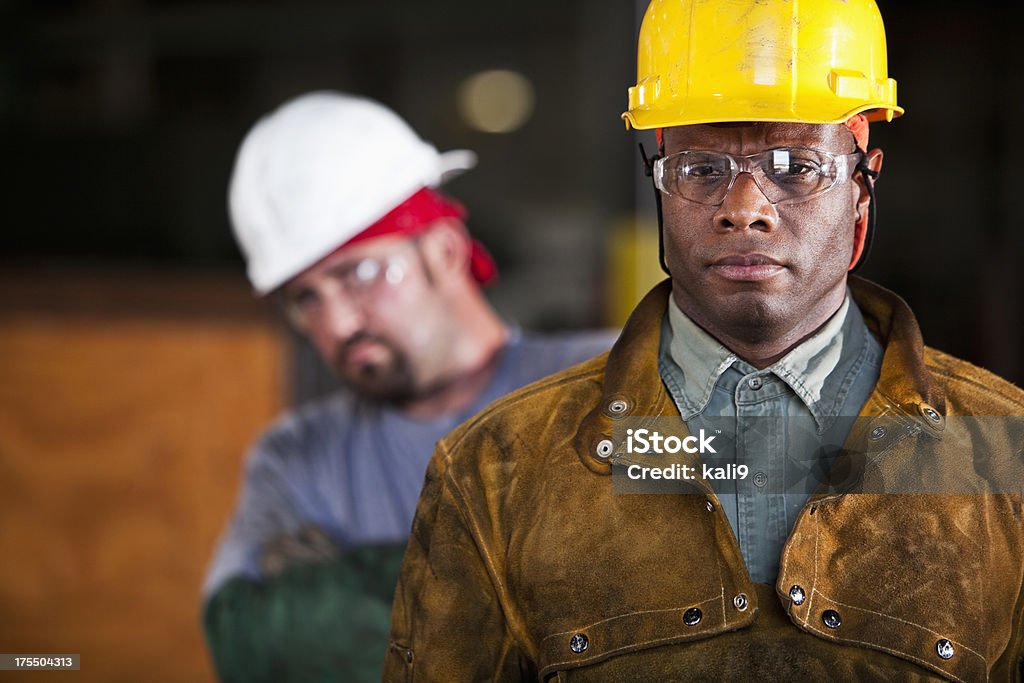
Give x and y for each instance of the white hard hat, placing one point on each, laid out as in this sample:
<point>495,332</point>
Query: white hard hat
<point>319,170</point>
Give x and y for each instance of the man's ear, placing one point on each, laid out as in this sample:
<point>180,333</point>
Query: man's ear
<point>446,249</point>
<point>860,227</point>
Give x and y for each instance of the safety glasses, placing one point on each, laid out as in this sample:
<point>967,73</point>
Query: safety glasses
<point>785,175</point>
<point>357,282</point>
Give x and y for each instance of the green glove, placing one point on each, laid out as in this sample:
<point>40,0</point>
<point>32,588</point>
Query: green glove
<point>326,621</point>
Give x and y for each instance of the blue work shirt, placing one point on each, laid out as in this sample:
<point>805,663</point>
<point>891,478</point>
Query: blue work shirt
<point>354,467</point>
<point>785,422</point>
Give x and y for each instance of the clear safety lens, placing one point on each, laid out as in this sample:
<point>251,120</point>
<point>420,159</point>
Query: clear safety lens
<point>784,175</point>
<point>356,282</point>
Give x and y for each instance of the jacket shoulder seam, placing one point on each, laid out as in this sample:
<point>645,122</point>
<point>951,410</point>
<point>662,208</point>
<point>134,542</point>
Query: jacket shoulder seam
<point>994,384</point>
<point>572,375</point>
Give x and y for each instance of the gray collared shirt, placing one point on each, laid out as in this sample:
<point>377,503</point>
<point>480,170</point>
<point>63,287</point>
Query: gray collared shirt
<point>785,422</point>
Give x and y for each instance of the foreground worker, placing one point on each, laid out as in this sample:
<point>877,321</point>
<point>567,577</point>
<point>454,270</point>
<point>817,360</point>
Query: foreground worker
<point>540,552</point>
<point>332,204</point>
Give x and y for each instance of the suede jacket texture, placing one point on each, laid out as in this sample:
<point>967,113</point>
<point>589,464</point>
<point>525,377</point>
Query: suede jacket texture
<point>524,565</point>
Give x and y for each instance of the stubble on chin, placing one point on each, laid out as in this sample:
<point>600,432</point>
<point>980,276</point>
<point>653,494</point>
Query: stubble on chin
<point>751,319</point>
<point>389,381</point>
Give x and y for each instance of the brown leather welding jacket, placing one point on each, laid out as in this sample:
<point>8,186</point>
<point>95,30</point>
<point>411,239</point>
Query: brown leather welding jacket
<point>524,565</point>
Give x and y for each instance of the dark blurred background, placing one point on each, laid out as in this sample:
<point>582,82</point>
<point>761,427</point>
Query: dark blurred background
<point>122,118</point>
<point>124,305</point>
<point>119,120</point>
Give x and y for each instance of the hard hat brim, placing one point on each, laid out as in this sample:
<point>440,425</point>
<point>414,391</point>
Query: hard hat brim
<point>638,119</point>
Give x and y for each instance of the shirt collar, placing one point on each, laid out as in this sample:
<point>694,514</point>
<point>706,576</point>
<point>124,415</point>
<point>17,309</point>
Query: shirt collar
<point>700,357</point>
<point>700,361</point>
<point>625,376</point>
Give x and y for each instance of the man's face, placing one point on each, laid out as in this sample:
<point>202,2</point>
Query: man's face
<point>373,314</point>
<point>749,269</point>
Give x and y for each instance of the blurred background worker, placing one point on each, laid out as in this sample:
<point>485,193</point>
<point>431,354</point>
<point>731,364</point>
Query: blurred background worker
<point>332,204</point>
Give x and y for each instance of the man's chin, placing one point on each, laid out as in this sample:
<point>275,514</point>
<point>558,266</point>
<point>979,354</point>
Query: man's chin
<point>379,384</point>
<point>752,314</point>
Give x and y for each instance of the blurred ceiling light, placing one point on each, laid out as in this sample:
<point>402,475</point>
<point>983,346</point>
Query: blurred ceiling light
<point>496,101</point>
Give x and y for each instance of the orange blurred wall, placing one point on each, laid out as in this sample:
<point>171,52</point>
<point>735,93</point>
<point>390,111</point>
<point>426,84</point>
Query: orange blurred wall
<point>126,405</point>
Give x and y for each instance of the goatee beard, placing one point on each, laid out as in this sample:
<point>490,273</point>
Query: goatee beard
<point>389,382</point>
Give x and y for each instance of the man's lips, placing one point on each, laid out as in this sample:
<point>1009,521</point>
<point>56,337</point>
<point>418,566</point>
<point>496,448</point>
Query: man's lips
<point>747,267</point>
<point>361,351</point>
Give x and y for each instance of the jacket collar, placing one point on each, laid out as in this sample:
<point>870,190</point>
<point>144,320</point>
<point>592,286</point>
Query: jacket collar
<point>905,380</point>
<point>692,362</point>
<point>633,388</point>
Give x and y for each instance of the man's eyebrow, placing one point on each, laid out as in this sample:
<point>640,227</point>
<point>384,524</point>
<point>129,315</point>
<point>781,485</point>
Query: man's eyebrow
<point>784,138</point>
<point>342,267</point>
<point>293,292</point>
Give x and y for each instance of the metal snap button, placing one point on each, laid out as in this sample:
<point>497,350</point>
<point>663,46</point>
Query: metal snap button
<point>760,479</point>
<point>878,433</point>
<point>618,407</point>
<point>945,649</point>
<point>605,448</point>
<point>740,602</point>
<point>831,618</point>
<point>797,595</point>
<point>579,643</point>
<point>692,616</point>
<point>709,505</point>
<point>755,383</point>
<point>931,414</point>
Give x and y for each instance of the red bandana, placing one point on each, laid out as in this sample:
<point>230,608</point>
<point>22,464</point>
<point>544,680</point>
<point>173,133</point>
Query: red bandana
<point>419,212</point>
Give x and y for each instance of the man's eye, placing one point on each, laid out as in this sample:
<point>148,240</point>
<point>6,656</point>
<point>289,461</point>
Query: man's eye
<point>796,168</point>
<point>794,165</point>
<point>703,171</point>
<point>796,172</point>
<point>363,274</point>
<point>305,300</point>
<point>359,275</point>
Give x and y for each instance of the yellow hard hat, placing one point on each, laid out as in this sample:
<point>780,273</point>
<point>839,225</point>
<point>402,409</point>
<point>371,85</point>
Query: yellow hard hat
<point>805,61</point>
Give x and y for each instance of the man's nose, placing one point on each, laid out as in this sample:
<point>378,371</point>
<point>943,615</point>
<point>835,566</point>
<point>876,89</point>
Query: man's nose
<point>746,207</point>
<point>342,316</point>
